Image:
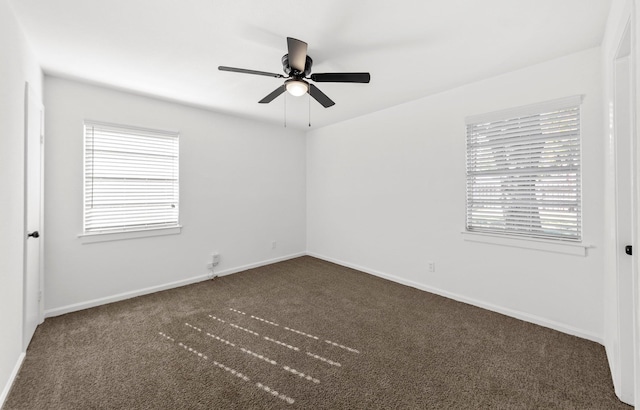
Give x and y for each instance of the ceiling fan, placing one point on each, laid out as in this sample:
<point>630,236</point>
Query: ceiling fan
<point>297,67</point>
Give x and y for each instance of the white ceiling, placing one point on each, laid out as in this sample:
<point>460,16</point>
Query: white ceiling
<point>412,48</point>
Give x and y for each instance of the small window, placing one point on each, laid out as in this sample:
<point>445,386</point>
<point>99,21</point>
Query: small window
<point>130,179</point>
<point>523,171</point>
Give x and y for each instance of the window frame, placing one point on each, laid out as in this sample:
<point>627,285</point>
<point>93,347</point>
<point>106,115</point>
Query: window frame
<point>138,231</point>
<point>511,237</point>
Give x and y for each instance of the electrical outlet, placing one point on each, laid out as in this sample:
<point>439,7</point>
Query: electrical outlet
<point>274,245</point>
<point>432,266</point>
<point>215,259</point>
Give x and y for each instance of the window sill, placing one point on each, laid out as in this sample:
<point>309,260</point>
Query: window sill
<point>577,249</point>
<point>120,236</point>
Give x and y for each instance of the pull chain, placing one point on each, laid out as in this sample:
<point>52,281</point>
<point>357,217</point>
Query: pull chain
<point>309,99</point>
<point>285,109</point>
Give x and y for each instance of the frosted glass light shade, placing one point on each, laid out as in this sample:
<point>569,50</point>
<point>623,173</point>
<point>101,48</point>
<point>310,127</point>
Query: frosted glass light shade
<point>297,87</point>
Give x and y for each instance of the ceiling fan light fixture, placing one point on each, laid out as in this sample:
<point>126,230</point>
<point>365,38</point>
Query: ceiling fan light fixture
<point>297,87</point>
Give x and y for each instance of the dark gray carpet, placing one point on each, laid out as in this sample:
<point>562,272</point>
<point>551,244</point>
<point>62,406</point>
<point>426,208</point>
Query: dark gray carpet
<point>305,334</point>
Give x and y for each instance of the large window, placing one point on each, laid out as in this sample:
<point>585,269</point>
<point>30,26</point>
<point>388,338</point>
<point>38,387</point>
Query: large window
<point>523,171</point>
<point>130,179</point>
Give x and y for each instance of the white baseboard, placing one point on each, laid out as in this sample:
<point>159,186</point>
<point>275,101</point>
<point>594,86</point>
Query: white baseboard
<point>258,264</point>
<point>121,296</point>
<point>12,378</point>
<point>489,306</point>
<point>132,294</point>
<point>495,308</point>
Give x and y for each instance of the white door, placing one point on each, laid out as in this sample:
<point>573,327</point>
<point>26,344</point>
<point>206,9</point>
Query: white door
<point>625,214</point>
<point>34,139</point>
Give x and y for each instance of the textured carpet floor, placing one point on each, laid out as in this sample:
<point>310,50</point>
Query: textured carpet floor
<point>305,334</point>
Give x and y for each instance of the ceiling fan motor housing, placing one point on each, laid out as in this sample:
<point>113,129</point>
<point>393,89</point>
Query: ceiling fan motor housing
<point>294,73</point>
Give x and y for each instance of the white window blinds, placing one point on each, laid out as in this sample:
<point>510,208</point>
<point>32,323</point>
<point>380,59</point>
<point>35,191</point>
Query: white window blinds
<point>523,171</point>
<point>130,178</point>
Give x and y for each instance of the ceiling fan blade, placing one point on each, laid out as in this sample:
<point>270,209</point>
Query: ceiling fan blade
<point>245,71</point>
<point>341,77</point>
<point>297,54</point>
<point>320,96</point>
<point>273,95</point>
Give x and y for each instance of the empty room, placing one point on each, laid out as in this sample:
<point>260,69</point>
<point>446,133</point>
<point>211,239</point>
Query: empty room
<point>343,205</point>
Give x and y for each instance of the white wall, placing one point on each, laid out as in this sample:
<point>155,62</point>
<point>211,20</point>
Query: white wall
<point>386,194</point>
<point>242,187</point>
<point>17,65</point>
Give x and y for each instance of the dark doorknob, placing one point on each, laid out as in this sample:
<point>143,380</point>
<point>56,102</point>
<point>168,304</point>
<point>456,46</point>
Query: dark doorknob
<point>34,234</point>
<point>628,250</point>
